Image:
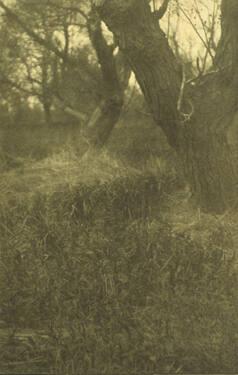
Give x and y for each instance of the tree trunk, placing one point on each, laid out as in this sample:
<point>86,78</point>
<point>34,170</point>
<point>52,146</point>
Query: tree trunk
<point>213,172</point>
<point>47,112</point>
<point>103,120</point>
<point>45,82</point>
<point>202,140</point>
<point>107,114</point>
<point>115,73</point>
<point>206,150</point>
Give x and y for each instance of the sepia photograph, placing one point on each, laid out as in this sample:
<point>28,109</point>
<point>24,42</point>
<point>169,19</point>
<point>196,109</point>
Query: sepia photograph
<point>118,187</point>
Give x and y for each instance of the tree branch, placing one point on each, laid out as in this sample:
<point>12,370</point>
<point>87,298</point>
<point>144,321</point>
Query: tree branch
<point>104,53</point>
<point>32,34</point>
<point>74,9</point>
<point>47,43</point>
<point>8,81</point>
<point>59,101</point>
<point>68,109</point>
<point>197,32</point>
<point>162,10</point>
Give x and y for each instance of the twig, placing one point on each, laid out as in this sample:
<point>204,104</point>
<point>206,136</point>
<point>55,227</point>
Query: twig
<point>162,10</point>
<point>196,31</point>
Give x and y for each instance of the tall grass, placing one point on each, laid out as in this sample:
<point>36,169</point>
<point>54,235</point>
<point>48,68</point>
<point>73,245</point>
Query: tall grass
<point>116,289</point>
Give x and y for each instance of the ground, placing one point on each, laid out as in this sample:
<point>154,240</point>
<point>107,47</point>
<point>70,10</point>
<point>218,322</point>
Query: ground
<point>26,350</point>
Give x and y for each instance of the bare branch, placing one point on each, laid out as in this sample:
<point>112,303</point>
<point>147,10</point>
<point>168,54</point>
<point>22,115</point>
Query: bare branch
<point>181,93</point>
<point>49,44</point>
<point>8,81</point>
<point>59,101</point>
<point>185,116</point>
<point>69,8</point>
<point>197,32</point>
<point>103,50</point>
<point>32,34</point>
<point>68,109</point>
<point>162,10</point>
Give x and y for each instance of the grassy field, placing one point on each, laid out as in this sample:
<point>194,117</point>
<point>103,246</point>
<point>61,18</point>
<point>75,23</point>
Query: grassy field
<point>118,143</point>
<point>108,267</point>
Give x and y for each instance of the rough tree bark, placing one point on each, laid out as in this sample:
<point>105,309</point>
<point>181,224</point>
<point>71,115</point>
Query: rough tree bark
<point>203,140</point>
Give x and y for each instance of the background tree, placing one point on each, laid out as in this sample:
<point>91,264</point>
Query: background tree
<point>49,33</point>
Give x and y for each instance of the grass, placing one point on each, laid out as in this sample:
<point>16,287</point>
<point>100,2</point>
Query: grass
<point>112,271</point>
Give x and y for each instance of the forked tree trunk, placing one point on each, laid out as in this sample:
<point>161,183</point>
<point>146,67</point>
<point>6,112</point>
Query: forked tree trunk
<point>203,141</point>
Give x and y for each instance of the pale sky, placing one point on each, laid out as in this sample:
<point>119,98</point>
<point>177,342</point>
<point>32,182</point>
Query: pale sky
<point>187,37</point>
<point>190,12</point>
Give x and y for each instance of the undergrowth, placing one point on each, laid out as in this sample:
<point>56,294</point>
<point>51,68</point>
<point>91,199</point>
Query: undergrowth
<point>114,287</point>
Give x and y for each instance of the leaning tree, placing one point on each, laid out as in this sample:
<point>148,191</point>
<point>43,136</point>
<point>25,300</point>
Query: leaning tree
<point>205,140</point>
